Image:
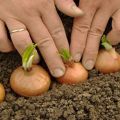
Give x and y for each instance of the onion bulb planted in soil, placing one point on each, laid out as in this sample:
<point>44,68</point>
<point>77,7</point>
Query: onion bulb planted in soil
<point>108,60</point>
<point>75,72</point>
<point>2,93</point>
<point>29,80</point>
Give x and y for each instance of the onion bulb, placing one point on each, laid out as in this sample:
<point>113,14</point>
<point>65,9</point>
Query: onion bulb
<point>108,60</point>
<point>29,80</point>
<point>75,72</point>
<point>30,83</point>
<point>2,93</point>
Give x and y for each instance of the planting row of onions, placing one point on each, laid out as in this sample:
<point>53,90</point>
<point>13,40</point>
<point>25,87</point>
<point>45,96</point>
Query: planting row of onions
<point>108,61</point>
<point>32,80</point>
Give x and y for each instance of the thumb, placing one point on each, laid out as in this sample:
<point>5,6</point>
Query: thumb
<point>68,7</point>
<point>114,34</point>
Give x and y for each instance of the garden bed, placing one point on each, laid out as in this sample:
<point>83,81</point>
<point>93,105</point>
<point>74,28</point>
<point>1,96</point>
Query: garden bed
<point>96,99</point>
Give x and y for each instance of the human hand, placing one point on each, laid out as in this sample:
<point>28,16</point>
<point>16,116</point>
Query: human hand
<point>34,21</point>
<point>88,29</point>
<point>114,35</point>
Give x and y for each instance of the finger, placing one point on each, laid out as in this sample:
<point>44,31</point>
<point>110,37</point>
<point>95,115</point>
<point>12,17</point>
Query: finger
<point>55,28</point>
<point>20,39</point>
<point>114,35</point>
<point>5,44</point>
<point>94,36</point>
<point>69,8</point>
<point>81,27</point>
<point>46,46</point>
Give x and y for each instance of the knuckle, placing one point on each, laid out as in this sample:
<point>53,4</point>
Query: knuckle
<point>57,32</point>
<point>82,27</point>
<point>92,49</point>
<point>96,31</point>
<point>80,45</point>
<point>45,42</point>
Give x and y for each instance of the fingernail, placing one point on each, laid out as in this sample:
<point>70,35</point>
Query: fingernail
<point>78,11</point>
<point>77,57</point>
<point>89,64</point>
<point>58,72</point>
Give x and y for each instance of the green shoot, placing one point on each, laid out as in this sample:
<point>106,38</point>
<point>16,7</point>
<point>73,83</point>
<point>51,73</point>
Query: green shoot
<point>28,56</point>
<point>105,43</point>
<point>65,54</point>
<point>109,47</point>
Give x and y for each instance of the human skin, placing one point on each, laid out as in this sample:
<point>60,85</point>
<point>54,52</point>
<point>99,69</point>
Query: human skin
<point>47,29</point>
<point>43,26</point>
<point>114,35</point>
<point>88,29</point>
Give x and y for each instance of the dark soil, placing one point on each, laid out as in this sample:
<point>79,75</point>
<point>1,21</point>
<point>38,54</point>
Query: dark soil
<point>96,99</point>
